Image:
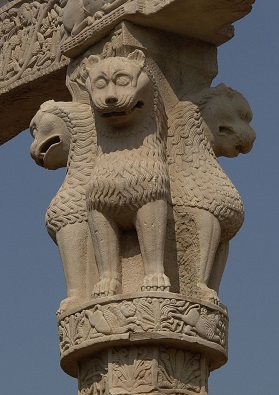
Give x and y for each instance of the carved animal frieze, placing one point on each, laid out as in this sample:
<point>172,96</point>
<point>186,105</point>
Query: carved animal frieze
<point>129,184</point>
<point>170,316</point>
<point>64,134</point>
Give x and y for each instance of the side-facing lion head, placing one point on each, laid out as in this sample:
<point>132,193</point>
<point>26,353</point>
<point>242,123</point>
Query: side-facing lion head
<point>52,139</point>
<point>118,87</point>
<point>227,116</point>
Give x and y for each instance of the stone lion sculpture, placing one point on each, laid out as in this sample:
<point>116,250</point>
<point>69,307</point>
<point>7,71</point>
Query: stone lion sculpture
<point>121,175</point>
<point>129,185</point>
<point>213,123</point>
<point>64,135</point>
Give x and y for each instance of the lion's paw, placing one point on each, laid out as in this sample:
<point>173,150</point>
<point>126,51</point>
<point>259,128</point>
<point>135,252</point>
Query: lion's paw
<point>68,304</point>
<point>106,287</point>
<point>156,282</point>
<point>209,293</point>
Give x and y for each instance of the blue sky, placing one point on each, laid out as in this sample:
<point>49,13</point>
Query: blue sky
<point>31,278</point>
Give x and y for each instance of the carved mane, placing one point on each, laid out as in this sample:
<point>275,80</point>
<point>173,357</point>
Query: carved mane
<point>197,179</point>
<point>142,155</point>
<point>68,206</point>
<point>202,98</point>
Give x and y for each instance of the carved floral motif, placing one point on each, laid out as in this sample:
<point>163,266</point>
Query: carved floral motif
<point>131,370</point>
<point>144,369</point>
<point>93,376</point>
<point>181,371</point>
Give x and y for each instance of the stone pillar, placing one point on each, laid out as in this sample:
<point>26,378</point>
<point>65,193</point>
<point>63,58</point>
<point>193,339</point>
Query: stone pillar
<point>146,342</point>
<point>145,214</point>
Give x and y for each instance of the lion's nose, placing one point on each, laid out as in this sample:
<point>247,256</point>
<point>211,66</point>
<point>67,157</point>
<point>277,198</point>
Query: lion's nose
<point>111,96</point>
<point>111,100</point>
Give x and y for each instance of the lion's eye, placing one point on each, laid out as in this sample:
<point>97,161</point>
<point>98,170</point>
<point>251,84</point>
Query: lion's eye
<point>246,116</point>
<point>122,80</point>
<point>33,131</point>
<point>100,83</point>
<point>225,130</point>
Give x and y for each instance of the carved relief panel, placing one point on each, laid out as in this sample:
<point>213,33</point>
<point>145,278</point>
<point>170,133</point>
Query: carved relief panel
<point>30,37</point>
<point>150,315</point>
<point>144,369</point>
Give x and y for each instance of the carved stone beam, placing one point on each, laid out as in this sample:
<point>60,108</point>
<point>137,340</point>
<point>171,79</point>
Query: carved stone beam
<point>208,21</point>
<point>32,69</point>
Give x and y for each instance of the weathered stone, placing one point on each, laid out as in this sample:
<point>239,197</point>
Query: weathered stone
<point>32,68</point>
<point>31,33</point>
<point>145,214</point>
<point>208,21</point>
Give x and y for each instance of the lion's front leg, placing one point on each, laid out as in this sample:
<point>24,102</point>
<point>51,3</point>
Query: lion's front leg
<point>105,238</point>
<point>75,253</point>
<point>150,223</point>
<point>209,234</point>
<point>219,266</point>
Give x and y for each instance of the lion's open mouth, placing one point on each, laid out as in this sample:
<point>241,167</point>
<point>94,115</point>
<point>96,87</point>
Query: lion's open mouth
<point>47,144</point>
<point>45,147</point>
<point>114,114</point>
<point>239,148</point>
<point>242,149</point>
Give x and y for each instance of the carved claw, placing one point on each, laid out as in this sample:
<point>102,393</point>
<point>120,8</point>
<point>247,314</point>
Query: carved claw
<point>209,293</point>
<point>106,287</point>
<point>156,282</point>
<point>189,330</point>
<point>68,304</point>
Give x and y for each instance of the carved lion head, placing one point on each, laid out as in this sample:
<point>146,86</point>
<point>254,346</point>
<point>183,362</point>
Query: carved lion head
<point>118,87</point>
<point>227,116</point>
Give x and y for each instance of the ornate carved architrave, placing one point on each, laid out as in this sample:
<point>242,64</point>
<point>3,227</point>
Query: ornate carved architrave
<point>32,68</point>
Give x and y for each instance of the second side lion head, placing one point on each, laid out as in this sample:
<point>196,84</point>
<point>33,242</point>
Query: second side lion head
<point>227,116</point>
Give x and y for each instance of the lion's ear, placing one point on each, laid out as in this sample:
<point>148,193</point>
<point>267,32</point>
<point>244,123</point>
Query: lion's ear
<point>88,63</point>
<point>138,56</point>
<point>222,87</point>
